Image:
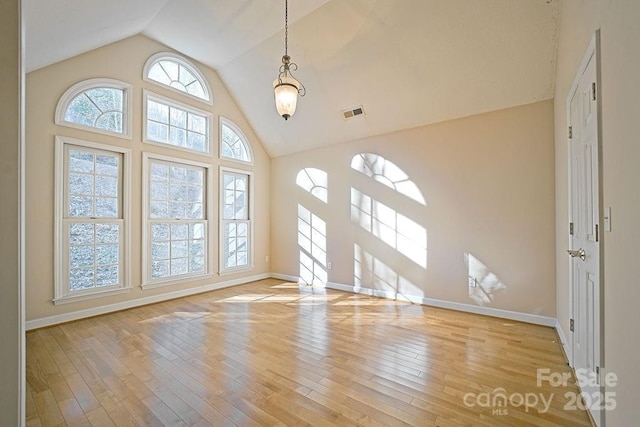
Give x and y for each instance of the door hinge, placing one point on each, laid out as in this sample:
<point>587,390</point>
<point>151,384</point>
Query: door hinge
<point>597,236</point>
<point>571,228</point>
<point>570,132</point>
<point>593,90</point>
<point>571,325</point>
<point>598,375</point>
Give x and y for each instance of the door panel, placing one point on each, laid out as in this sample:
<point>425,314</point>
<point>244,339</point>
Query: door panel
<point>585,213</point>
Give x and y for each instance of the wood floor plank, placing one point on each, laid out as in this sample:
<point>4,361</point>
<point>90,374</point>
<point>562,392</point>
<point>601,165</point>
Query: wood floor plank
<point>272,353</point>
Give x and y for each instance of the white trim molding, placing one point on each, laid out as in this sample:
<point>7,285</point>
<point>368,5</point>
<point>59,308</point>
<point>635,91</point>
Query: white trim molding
<point>110,308</point>
<point>62,293</point>
<point>148,281</point>
<point>451,305</point>
<point>566,345</point>
<point>222,270</point>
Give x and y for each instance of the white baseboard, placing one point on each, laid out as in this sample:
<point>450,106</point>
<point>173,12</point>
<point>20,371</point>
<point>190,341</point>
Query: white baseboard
<point>285,277</point>
<point>487,311</point>
<point>566,346</point>
<point>505,314</point>
<point>82,314</point>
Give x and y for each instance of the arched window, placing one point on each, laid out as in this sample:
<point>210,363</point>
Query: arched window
<point>175,72</point>
<point>99,105</point>
<point>233,143</point>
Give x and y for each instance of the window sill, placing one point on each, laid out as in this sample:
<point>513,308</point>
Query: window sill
<point>68,299</point>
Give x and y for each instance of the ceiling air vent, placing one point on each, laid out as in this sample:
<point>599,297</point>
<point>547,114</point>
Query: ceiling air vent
<point>348,114</point>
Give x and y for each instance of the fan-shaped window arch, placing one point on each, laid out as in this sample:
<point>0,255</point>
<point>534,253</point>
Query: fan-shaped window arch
<point>99,105</point>
<point>177,73</point>
<point>233,143</point>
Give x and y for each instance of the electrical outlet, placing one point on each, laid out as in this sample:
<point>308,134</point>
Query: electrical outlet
<point>329,265</point>
<point>472,282</point>
<point>266,259</point>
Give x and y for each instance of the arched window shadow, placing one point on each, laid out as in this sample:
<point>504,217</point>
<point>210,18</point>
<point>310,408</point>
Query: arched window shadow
<point>314,181</point>
<point>387,173</point>
<point>387,219</point>
<point>483,283</point>
<point>312,230</point>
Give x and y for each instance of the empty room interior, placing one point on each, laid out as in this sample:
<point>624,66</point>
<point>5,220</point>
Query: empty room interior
<point>320,212</point>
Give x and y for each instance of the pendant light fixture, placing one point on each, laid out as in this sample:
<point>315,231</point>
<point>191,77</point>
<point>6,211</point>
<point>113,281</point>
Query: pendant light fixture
<point>286,88</point>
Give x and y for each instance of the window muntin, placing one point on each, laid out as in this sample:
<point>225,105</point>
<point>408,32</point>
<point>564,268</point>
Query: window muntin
<point>176,125</point>
<point>92,215</point>
<point>178,74</point>
<point>99,105</point>
<point>233,143</point>
<point>177,249</point>
<point>236,220</point>
<point>176,217</point>
<point>94,254</point>
<point>93,183</point>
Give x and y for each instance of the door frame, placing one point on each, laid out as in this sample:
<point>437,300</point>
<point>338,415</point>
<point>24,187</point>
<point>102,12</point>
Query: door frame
<point>592,52</point>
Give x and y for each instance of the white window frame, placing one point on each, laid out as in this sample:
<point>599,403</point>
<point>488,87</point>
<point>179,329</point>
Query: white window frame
<point>160,56</point>
<point>250,253</point>
<point>226,122</point>
<point>62,292</point>
<point>78,88</point>
<point>147,281</point>
<point>148,95</point>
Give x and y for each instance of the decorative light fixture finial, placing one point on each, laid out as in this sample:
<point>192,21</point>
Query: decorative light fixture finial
<point>286,88</point>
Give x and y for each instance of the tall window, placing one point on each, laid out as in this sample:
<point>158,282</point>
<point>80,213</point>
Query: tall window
<point>236,227</point>
<point>171,123</point>
<point>92,219</point>
<point>177,73</point>
<point>233,143</point>
<point>176,230</point>
<point>99,105</point>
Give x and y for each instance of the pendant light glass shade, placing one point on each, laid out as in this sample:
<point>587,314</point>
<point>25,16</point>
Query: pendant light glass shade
<point>286,95</point>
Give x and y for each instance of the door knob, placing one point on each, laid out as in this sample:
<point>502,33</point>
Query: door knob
<point>580,253</point>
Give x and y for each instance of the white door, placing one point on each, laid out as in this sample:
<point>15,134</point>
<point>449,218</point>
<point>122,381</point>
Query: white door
<point>585,233</point>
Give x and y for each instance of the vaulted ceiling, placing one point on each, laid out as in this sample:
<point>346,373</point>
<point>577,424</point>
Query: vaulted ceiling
<point>407,62</point>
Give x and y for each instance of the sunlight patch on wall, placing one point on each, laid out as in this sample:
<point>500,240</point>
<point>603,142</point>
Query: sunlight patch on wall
<point>387,173</point>
<point>396,230</point>
<point>312,241</point>
<point>483,283</point>
<point>370,272</point>
<point>314,181</point>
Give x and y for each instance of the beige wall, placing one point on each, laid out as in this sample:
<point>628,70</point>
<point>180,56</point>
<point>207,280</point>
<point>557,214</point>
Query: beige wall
<point>620,95</point>
<point>124,61</point>
<point>11,330</point>
<point>488,185</point>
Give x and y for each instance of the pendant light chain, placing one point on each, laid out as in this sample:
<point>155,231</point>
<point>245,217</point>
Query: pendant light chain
<point>286,27</point>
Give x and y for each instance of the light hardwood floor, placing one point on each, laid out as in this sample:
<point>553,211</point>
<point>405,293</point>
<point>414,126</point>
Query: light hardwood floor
<point>269,353</point>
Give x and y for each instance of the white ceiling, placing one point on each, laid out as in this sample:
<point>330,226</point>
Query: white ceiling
<point>408,62</point>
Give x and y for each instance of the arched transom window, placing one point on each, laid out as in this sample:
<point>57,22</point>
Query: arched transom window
<point>233,143</point>
<point>178,74</point>
<point>99,105</point>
